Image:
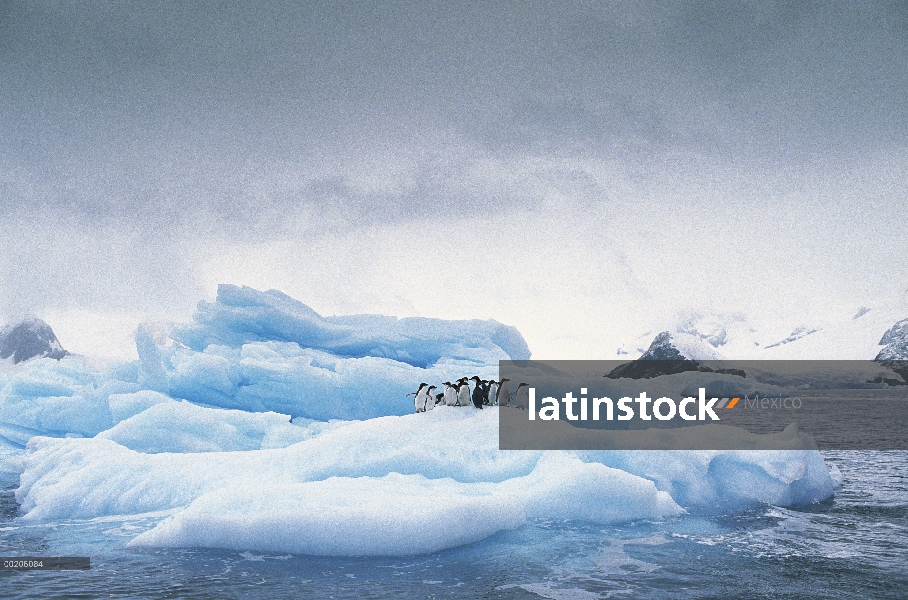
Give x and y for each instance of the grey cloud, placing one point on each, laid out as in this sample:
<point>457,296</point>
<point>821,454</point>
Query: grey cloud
<point>177,113</point>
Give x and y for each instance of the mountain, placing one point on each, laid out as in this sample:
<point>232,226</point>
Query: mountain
<point>896,342</point>
<point>878,332</point>
<point>661,358</point>
<point>667,355</point>
<point>29,338</point>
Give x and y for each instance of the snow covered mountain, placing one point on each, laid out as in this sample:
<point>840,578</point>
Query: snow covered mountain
<point>29,338</point>
<point>879,332</point>
<point>896,342</point>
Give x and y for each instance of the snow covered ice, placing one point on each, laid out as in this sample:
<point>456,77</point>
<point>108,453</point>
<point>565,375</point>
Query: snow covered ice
<point>264,426</point>
<point>435,480</point>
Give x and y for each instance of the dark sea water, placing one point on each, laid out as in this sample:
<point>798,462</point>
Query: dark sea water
<point>852,546</point>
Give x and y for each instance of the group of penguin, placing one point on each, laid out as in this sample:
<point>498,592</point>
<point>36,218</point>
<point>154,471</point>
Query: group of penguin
<point>484,393</point>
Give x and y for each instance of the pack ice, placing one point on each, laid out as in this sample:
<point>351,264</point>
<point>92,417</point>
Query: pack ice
<point>264,426</point>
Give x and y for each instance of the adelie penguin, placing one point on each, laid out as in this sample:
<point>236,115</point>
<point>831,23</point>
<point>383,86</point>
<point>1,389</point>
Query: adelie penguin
<point>463,392</point>
<point>477,392</point>
<point>430,399</point>
<point>450,394</point>
<point>486,386</point>
<point>503,397</point>
<point>419,402</point>
<point>522,394</point>
<point>493,393</point>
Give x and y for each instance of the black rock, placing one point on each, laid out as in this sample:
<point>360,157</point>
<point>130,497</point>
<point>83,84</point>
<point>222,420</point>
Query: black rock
<point>738,372</point>
<point>661,358</point>
<point>30,338</point>
<point>795,335</point>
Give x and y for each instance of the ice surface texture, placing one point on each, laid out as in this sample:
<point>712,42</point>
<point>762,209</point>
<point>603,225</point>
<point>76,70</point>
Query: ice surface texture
<point>385,486</point>
<point>265,351</point>
<point>258,351</point>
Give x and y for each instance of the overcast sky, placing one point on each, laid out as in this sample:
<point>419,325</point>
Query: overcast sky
<point>581,170</point>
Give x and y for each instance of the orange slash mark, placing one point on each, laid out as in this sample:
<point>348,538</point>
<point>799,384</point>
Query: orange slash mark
<point>732,403</point>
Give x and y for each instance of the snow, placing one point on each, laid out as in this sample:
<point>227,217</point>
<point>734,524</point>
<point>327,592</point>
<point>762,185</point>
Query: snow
<point>391,515</point>
<point>407,484</point>
<point>184,427</point>
<point>405,514</point>
<point>851,336</point>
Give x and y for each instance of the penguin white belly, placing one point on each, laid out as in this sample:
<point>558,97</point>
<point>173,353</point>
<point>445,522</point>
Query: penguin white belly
<point>450,397</point>
<point>503,394</point>
<point>523,398</point>
<point>420,401</point>
<point>463,396</point>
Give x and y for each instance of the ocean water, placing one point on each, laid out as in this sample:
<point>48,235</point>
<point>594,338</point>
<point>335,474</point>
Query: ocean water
<point>854,545</point>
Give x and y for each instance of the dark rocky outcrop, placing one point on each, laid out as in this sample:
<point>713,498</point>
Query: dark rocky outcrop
<point>795,335</point>
<point>661,358</point>
<point>28,339</point>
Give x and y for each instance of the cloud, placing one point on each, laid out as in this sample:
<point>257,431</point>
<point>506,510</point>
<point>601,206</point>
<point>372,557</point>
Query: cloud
<point>143,148</point>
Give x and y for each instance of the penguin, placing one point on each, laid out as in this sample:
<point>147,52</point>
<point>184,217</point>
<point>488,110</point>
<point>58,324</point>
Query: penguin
<point>486,385</point>
<point>477,391</point>
<point>430,399</point>
<point>493,393</point>
<point>504,394</point>
<point>419,401</point>
<point>463,392</point>
<point>522,394</point>
<point>439,398</point>
<point>450,394</point>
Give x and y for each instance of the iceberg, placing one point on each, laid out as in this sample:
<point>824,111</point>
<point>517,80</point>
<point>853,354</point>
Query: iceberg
<point>265,351</point>
<point>242,314</point>
<point>51,397</point>
<point>173,426</point>
<point>257,352</point>
<point>405,514</point>
<point>387,486</point>
<point>264,426</point>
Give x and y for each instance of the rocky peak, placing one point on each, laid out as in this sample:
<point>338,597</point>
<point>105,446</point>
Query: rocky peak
<point>661,358</point>
<point>896,342</point>
<point>29,338</point>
